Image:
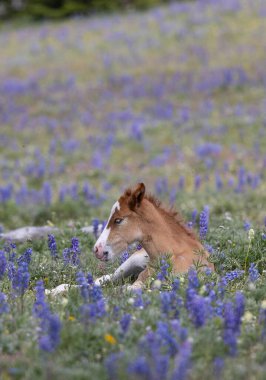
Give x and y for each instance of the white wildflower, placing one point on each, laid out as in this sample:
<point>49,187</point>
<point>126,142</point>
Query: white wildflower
<point>157,284</point>
<point>251,234</point>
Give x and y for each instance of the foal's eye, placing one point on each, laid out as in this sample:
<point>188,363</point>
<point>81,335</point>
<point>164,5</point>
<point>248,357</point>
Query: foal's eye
<point>118,221</point>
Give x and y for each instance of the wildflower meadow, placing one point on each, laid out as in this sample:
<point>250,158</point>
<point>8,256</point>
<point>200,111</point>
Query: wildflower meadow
<point>173,97</point>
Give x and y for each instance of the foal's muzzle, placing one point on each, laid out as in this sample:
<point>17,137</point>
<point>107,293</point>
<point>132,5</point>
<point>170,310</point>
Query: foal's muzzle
<point>100,253</point>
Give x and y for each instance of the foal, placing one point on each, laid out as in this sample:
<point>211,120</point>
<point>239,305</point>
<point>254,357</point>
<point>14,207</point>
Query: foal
<point>137,218</point>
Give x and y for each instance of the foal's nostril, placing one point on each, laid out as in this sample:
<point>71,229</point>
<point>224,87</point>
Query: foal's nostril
<point>105,253</point>
<point>95,249</point>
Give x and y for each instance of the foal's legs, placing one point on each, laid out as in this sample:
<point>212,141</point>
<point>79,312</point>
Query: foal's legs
<point>142,277</point>
<point>134,265</point>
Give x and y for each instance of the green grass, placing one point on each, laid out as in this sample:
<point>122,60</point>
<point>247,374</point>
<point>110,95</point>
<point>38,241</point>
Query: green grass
<point>173,72</point>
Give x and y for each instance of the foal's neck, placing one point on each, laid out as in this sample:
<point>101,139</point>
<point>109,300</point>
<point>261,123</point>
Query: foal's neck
<point>164,234</point>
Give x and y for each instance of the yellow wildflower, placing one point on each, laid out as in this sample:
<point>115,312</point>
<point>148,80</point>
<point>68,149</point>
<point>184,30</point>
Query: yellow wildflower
<point>110,339</point>
<point>71,318</point>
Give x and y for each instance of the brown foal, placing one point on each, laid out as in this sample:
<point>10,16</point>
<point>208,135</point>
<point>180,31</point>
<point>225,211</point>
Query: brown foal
<point>140,218</point>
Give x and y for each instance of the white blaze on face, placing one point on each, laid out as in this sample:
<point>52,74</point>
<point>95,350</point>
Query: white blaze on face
<point>102,240</point>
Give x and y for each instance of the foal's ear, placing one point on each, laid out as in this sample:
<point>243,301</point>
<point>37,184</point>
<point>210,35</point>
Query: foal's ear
<point>136,196</point>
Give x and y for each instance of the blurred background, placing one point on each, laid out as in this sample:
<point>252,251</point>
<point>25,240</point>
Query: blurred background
<point>97,95</point>
<point>55,9</point>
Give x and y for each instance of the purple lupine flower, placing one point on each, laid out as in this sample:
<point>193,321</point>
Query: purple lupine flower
<point>230,338</point>
<point>221,287</point>
<point>194,217</point>
<point>95,225</point>
<point>83,283</point>
<point>74,191</point>
<point>71,255</point>
<point>92,311</point>
<point>161,185</point>
<point>47,193</point>
<point>51,338</point>
<point>166,303</point>
<point>21,279</point>
<point>241,179</point>
<point>136,131</point>
<point>140,368</point>
<point>161,366</point>
<point>104,223</point>
<point>52,246</point>
<point>164,266</point>
<point>208,149</point>
<point>199,310</point>
<point>10,249</point>
<point>204,222</point>
<point>76,251</point>
<point>150,344</point>
<point>167,339</point>
<point>197,182</point>
<point>253,273</point>
<point>116,310</point>
<point>247,225</point>
<point>181,182</point>
<point>94,306</point>
<point>11,270</point>
<point>239,308</point>
<point>218,365</point>
<point>218,182</point>
<point>3,264</point>
<point>233,275</point>
<point>138,302</point>
<point>62,193</point>
<point>4,307</point>
<point>232,321</point>
<point>182,362</point>
<point>95,293</point>
<point>90,279</point>
<point>219,308</point>
<point>175,285</point>
<point>190,294</point>
<point>75,244</point>
<point>66,255</point>
<point>262,320</point>
<point>170,304</point>
<point>125,255</point>
<point>209,248</point>
<point>50,325</point>
<point>208,271</point>
<point>193,280</point>
<point>40,307</point>
<point>111,364</point>
<point>97,160</point>
<point>26,257</point>
<point>173,195</point>
<point>125,322</point>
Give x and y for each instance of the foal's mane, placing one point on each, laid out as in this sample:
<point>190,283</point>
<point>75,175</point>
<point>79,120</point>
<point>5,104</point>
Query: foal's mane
<point>169,213</point>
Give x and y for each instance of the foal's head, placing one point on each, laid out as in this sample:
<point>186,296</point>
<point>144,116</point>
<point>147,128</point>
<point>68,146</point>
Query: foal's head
<point>123,226</point>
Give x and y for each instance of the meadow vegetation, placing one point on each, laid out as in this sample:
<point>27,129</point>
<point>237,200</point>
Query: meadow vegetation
<point>173,97</point>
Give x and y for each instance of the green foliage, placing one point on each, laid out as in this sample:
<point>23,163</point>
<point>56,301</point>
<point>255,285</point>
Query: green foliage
<point>84,348</point>
<point>57,9</point>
